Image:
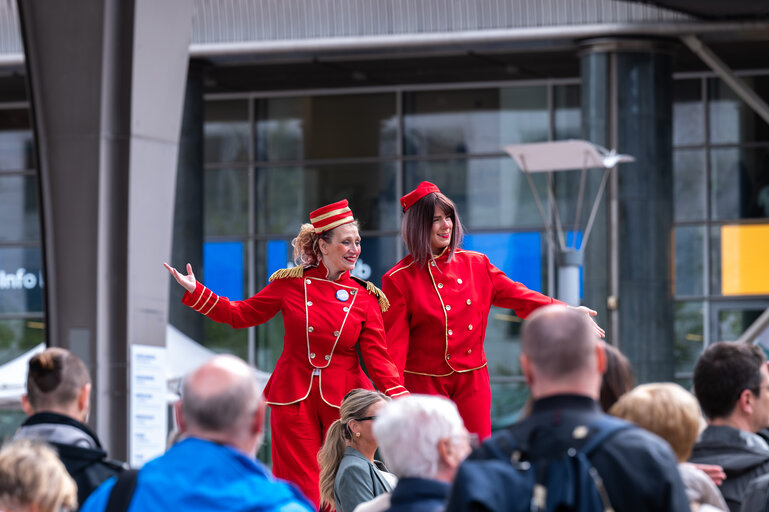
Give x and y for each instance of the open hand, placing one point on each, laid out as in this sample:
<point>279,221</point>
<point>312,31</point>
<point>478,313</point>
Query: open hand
<point>188,282</point>
<point>590,313</point>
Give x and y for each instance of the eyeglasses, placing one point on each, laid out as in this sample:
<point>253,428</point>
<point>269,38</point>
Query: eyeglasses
<point>366,418</point>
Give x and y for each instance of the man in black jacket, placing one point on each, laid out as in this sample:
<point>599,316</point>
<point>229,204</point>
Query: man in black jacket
<point>563,362</point>
<point>57,403</point>
<point>731,382</point>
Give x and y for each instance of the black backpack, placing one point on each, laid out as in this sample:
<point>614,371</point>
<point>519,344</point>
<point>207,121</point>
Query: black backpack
<point>549,472</point>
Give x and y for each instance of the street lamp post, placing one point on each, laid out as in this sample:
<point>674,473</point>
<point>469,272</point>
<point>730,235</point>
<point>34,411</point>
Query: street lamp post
<point>566,155</point>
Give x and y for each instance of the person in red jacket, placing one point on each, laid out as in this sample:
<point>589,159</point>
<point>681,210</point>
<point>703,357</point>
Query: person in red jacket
<point>326,312</point>
<point>440,297</point>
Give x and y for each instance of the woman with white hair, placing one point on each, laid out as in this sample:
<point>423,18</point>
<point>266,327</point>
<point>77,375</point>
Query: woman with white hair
<point>423,441</point>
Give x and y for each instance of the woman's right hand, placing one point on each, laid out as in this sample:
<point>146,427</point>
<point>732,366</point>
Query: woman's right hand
<point>188,282</point>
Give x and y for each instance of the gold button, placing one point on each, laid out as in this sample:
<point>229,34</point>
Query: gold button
<point>440,285</point>
<point>327,357</point>
<point>470,327</point>
<point>432,263</point>
<point>346,308</point>
<point>312,355</point>
<point>309,303</point>
<point>336,333</point>
<point>469,302</point>
<point>459,280</point>
<point>451,332</point>
<point>310,329</point>
<point>448,307</point>
<point>448,356</point>
<point>469,351</point>
<point>352,292</point>
<point>307,281</point>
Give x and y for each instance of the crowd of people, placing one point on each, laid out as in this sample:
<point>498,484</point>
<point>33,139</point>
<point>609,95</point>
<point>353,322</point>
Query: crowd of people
<point>587,437</point>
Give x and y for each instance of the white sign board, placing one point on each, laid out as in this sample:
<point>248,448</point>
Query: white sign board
<point>148,415</point>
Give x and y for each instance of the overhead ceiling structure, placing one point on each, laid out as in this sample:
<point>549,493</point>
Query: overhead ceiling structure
<point>715,9</point>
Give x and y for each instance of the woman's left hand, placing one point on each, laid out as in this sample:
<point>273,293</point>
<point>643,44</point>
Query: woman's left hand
<point>590,313</point>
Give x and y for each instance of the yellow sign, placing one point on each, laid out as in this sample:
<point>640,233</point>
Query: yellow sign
<point>745,259</point>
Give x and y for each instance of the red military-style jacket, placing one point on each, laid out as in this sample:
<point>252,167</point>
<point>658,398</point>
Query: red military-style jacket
<point>323,321</point>
<point>437,318</point>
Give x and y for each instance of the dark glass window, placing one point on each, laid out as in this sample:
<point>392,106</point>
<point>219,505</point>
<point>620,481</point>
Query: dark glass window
<point>226,131</point>
<point>322,127</point>
<point>18,208</point>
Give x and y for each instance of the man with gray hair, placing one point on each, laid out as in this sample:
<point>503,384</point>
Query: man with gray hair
<point>423,441</point>
<point>221,415</point>
<point>563,362</point>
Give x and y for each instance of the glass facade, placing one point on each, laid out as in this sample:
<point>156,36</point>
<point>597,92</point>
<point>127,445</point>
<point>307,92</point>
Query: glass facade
<point>21,277</point>
<point>721,181</point>
<point>307,151</point>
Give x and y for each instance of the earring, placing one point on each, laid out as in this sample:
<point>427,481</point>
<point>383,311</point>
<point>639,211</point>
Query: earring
<point>357,434</point>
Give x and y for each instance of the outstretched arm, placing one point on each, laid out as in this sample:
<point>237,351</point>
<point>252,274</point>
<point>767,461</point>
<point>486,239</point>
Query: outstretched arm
<point>188,282</point>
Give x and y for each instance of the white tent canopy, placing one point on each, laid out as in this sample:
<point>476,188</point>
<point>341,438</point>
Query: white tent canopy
<point>183,356</point>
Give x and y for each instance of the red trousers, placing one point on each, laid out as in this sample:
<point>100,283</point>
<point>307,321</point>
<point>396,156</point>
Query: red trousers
<point>298,430</point>
<point>471,391</point>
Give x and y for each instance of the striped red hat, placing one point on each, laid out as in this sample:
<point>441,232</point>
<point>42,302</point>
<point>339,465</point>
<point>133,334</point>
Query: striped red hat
<point>418,193</point>
<point>331,216</point>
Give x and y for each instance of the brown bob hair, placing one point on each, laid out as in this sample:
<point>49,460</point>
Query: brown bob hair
<point>417,227</point>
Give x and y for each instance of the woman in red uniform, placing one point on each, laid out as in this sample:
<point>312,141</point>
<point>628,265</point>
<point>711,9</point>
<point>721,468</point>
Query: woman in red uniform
<point>326,312</point>
<point>440,297</point>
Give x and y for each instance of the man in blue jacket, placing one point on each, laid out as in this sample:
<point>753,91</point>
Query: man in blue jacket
<point>221,417</point>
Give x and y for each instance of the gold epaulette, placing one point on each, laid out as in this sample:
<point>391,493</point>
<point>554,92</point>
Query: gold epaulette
<point>376,292</point>
<point>285,273</point>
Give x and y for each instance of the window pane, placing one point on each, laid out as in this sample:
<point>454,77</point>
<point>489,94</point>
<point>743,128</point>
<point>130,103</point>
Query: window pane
<point>226,131</point>
<point>285,196</point>
<point>344,126</point>
<point>21,280</point>
<point>488,192</point>
<point>690,264</point>
<point>17,148</point>
<point>18,209</point>
<point>473,121</point>
<point>688,112</point>
<point>19,335</point>
<point>731,119</point>
<point>225,202</point>
<point>688,324</point>
<point>502,344</point>
<point>732,323</point>
<point>225,272</point>
<point>378,255</point>
<point>507,402</point>
<point>689,184</point>
<point>740,183</point>
<point>567,122</point>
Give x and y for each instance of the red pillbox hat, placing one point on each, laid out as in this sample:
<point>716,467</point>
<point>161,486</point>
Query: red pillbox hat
<point>418,193</point>
<point>331,216</point>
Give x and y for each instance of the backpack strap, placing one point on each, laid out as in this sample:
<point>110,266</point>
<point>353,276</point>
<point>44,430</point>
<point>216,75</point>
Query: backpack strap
<point>122,491</point>
<point>603,427</point>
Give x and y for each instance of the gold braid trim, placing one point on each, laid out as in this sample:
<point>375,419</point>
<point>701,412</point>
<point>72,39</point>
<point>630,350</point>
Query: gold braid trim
<point>286,273</point>
<point>384,304</point>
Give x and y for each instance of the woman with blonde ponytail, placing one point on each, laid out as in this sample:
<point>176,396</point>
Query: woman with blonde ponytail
<point>349,475</point>
<point>328,317</point>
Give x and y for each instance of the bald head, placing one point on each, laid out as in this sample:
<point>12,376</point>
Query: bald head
<point>560,347</point>
<point>220,397</point>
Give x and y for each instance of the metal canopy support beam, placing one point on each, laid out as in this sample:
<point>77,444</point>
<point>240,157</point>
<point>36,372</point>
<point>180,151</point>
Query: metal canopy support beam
<point>738,85</point>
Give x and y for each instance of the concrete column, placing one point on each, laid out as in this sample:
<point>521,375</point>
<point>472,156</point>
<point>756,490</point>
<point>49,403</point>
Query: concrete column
<point>106,80</point>
<point>627,105</point>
